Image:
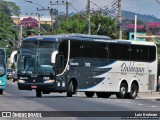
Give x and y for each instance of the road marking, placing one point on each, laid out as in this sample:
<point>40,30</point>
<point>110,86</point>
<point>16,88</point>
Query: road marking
<point>140,104</point>
<point>153,106</point>
<point>108,99</point>
<point>117,100</point>
<point>128,102</point>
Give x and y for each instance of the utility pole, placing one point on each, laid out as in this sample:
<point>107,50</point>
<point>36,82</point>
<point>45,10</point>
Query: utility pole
<point>20,36</point>
<point>39,25</point>
<point>120,18</point>
<point>53,12</point>
<point>89,19</point>
<point>135,28</point>
<point>67,10</point>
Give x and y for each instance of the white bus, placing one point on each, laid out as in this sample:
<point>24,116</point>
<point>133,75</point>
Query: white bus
<point>87,63</point>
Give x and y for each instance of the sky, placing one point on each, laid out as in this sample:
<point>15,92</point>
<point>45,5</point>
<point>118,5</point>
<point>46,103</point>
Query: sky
<point>148,7</point>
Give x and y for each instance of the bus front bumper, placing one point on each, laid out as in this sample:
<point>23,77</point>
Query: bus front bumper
<point>37,86</point>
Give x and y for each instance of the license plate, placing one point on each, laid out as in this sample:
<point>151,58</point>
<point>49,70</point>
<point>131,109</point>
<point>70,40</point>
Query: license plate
<point>34,87</point>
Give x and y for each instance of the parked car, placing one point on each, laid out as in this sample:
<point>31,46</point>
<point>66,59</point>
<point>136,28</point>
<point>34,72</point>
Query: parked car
<point>10,72</point>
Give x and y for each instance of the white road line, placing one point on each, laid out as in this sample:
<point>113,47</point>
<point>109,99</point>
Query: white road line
<point>140,104</point>
<point>128,102</point>
<point>153,106</point>
<point>108,99</point>
<point>117,100</point>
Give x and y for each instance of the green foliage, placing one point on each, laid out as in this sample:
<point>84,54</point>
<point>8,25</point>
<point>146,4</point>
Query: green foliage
<point>100,25</point>
<point>10,8</point>
<point>8,32</point>
<point>76,24</point>
<point>103,25</point>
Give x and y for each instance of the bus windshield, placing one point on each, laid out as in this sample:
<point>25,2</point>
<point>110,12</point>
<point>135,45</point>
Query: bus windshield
<point>35,57</point>
<point>2,62</point>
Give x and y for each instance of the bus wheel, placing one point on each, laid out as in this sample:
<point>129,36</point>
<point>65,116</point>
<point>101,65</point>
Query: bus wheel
<point>134,91</point>
<point>89,94</point>
<point>70,90</point>
<point>99,94</point>
<point>38,93</point>
<point>123,91</point>
<point>1,92</point>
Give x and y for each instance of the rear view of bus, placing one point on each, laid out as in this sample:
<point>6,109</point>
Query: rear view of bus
<point>3,77</point>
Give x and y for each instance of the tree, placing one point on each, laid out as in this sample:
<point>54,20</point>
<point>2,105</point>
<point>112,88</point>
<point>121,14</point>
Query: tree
<point>76,24</point>
<point>100,25</point>
<point>104,25</point>
<point>10,8</point>
<point>8,34</point>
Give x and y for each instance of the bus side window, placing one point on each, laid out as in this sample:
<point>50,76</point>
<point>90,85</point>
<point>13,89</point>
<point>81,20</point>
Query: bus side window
<point>136,53</point>
<point>87,49</point>
<point>124,52</point>
<point>113,51</point>
<point>152,53</point>
<point>76,50</point>
<point>100,50</point>
<point>145,53</point>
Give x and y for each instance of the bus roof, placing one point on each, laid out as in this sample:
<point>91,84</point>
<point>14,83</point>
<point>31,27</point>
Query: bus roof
<point>98,38</point>
<point>63,36</point>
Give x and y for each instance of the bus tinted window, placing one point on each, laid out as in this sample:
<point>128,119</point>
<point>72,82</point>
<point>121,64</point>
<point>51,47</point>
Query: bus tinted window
<point>75,49</point>
<point>144,53</point>
<point>113,51</point>
<point>152,53</point>
<point>124,52</point>
<point>64,48</point>
<point>100,50</point>
<point>88,49</point>
<point>136,53</point>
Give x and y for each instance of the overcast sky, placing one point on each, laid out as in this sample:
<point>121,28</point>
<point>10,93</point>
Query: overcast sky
<point>149,7</point>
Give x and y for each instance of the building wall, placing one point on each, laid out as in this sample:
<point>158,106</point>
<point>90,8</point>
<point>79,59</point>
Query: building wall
<point>43,20</point>
<point>131,36</point>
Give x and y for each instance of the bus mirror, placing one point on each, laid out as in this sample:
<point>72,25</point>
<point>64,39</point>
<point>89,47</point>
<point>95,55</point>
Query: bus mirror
<point>12,57</point>
<point>53,56</point>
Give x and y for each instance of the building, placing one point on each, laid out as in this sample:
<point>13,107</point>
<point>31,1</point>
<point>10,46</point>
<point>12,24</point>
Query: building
<point>140,35</point>
<point>43,19</point>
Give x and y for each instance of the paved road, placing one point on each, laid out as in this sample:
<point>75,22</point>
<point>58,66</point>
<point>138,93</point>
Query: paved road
<point>16,100</point>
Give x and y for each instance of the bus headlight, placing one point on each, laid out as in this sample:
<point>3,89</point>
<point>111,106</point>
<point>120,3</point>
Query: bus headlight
<point>49,81</point>
<point>21,81</point>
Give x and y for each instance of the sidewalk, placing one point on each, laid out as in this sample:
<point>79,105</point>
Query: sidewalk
<point>149,95</point>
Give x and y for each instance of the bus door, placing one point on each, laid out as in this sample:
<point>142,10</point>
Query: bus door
<point>60,63</point>
<point>62,57</point>
<point>152,68</point>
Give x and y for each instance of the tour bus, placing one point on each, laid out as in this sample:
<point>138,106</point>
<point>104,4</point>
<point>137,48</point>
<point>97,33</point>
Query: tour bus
<point>3,70</point>
<point>91,64</point>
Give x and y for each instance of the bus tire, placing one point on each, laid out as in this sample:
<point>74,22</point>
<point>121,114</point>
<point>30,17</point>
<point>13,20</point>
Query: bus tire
<point>99,94</point>
<point>70,89</point>
<point>89,94</point>
<point>134,91</point>
<point>38,93</point>
<point>1,92</point>
<point>123,91</point>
